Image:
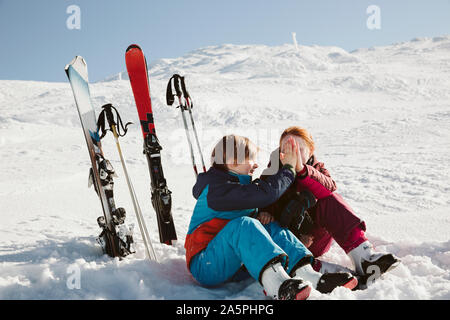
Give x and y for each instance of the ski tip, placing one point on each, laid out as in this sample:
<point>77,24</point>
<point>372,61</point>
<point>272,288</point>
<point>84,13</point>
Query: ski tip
<point>80,65</point>
<point>133,46</point>
<point>75,61</point>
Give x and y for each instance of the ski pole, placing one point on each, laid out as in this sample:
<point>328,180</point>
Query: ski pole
<point>186,129</point>
<point>137,209</point>
<point>189,107</point>
<point>143,228</point>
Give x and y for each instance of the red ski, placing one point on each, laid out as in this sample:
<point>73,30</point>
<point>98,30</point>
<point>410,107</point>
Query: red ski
<point>161,195</point>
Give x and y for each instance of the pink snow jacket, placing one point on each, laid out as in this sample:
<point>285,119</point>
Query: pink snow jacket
<point>316,178</point>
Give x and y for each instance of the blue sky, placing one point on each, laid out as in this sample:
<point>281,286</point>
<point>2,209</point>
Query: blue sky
<point>36,43</point>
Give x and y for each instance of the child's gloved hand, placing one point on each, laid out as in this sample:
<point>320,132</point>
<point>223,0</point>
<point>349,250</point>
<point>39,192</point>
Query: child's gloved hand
<point>265,217</point>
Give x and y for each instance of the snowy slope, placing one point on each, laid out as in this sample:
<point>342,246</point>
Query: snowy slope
<point>380,118</point>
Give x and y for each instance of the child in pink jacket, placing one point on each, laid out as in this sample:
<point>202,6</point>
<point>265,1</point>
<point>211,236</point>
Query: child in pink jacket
<point>331,218</point>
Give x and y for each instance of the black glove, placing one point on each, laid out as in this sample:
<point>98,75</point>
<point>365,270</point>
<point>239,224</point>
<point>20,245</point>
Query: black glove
<point>303,227</point>
<point>293,213</point>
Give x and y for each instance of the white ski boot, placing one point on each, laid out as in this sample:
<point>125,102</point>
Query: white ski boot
<point>280,286</point>
<point>325,282</point>
<point>370,264</point>
<point>364,256</point>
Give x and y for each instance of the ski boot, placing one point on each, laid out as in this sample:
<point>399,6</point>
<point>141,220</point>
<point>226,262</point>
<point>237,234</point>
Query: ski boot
<point>370,265</point>
<point>280,286</point>
<point>326,282</point>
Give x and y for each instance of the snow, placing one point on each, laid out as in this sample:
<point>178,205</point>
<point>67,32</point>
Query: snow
<point>380,118</point>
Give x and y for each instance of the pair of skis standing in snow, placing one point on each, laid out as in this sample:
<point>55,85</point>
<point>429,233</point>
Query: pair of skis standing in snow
<point>116,237</point>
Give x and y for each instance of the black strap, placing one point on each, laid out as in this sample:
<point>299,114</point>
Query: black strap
<point>108,115</point>
<point>183,88</point>
<point>170,96</point>
<point>186,94</point>
<point>180,91</point>
<point>176,84</point>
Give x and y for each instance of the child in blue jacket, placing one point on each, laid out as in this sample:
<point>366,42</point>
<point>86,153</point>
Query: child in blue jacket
<point>223,235</point>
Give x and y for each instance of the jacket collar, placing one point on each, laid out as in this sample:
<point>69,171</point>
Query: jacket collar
<point>243,178</point>
<point>213,175</point>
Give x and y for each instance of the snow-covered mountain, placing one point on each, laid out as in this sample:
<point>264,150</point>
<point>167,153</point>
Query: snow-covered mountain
<point>380,118</point>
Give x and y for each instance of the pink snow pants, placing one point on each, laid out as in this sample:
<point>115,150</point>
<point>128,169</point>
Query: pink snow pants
<point>335,219</point>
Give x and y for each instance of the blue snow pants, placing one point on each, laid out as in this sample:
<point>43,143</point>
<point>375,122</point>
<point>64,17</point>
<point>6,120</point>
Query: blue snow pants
<point>246,241</point>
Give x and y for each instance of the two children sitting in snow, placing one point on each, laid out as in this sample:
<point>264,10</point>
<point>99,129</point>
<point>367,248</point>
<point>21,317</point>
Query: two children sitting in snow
<point>236,222</point>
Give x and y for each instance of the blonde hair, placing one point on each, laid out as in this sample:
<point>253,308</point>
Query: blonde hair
<point>302,133</point>
<point>233,149</point>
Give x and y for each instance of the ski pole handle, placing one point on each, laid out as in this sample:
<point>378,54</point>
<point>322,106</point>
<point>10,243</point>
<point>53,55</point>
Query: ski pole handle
<point>176,84</point>
<point>169,92</point>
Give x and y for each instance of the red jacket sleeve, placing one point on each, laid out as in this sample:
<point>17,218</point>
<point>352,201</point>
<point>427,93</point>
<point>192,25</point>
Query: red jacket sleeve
<point>316,179</point>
